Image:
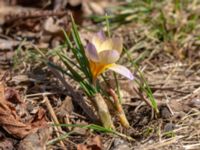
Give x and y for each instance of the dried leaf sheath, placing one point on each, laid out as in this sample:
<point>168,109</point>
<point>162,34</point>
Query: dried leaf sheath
<point>103,111</point>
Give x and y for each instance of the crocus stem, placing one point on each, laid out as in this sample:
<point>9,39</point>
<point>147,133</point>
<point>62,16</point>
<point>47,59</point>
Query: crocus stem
<point>103,111</point>
<point>120,112</point>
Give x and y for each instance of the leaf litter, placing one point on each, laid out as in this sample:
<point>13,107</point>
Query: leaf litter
<point>11,121</point>
<point>171,67</point>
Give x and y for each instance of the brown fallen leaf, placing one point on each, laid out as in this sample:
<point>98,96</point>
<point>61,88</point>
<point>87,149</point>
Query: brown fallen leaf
<point>82,147</point>
<point>35,141</point>
<point>51,26</point>
<point>11,122</point>
<point>66,108</point>
<point>9,119</point>
<point>39,119</point>
<point>80,131</point>
<point>12,95</point>
<point>93,144</point>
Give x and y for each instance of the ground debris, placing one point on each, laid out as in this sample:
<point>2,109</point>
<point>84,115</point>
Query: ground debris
<point>6,144</point>
<point>66,107</point>
<point>92,144</point>
<point>8,44</point>
<point>119,144</point>
<point>35,141</point>
<point>12,96</point>
<point>162,38</point>
<point>9,14</point>
<point>11,121</point>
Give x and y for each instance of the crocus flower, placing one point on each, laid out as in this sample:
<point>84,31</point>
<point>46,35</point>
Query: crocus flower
<point>102,53</point>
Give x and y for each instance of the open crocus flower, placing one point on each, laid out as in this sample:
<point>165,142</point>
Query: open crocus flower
<point>102,54</point>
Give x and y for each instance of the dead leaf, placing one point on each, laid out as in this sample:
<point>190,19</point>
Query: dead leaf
<point>93,144</point>
<point>96,143</point>
<point>80,131</point>
<point>82,147</point>
<point>51,26</point>
<point>35,141</point>
<point>12,95</point>
<point>11,122</point>
<point>66,108</point>
<point>39,119</point>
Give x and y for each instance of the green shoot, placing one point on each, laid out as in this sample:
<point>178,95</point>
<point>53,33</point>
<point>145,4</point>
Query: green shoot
<point>96,128</point>
<point>143,84</point>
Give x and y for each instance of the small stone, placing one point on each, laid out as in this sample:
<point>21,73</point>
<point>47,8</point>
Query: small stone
<point>169,127</point>
<point>120,144</point>
<point>165,113</point>
<point>195,103</point>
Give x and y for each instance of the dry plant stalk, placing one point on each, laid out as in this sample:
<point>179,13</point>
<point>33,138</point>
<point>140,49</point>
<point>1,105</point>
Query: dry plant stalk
<point>55,119</point>
<point>120,112</point>
<point>103,111</point>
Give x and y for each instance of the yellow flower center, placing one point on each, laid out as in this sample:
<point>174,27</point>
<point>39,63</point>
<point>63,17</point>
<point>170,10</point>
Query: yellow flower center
<point>98,68</point>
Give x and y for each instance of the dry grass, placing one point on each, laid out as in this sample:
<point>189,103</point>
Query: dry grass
<point>164,42</point>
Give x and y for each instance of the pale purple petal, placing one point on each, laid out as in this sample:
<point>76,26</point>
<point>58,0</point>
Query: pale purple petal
<point>108,56</point>
<point>122,70</point>
<point>91,52</point>
<point>101,35</point>
<point>96,41</point>
<point>106,45</point>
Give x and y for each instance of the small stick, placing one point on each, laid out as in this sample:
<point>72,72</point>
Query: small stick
<point>67,121</point>
<point>55,120</point>
<point>196,91</point>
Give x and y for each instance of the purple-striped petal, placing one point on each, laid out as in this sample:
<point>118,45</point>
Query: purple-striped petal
<point>108,56</point>
<point>122,70</point>
<point>91,52</point>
